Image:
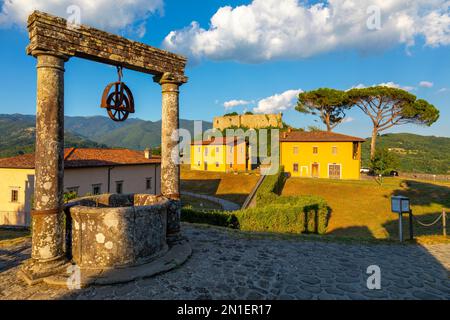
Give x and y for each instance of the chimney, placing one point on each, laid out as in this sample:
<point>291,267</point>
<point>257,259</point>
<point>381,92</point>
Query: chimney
<point>284,135</point>
<point>148,153</point>
<point>289,129</point>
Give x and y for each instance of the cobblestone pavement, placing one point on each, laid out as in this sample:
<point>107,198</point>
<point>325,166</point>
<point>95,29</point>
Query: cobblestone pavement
<point>227,264</point>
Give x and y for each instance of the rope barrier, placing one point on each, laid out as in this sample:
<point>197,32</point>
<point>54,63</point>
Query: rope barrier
<point>428,224</point>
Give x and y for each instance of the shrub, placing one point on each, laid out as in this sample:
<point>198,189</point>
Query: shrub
<point>212,217</point>
<point>271,187</point>
<point>274,218</point>
<point>314,212</point>
<point>273,213</point>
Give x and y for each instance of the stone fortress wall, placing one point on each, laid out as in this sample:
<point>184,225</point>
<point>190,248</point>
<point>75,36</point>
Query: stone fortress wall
<point>255,121</point>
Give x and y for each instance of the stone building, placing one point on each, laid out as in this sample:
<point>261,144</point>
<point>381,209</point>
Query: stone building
<point>251,121</point>
<point>86,171</point>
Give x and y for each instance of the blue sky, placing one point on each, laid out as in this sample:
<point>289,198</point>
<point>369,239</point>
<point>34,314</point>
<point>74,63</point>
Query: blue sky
<point>215,80</point>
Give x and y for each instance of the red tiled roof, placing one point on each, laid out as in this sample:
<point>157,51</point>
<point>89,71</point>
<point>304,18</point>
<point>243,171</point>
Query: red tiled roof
<point>317,136</point>
<point>82,158</point>
<point>215,141</point>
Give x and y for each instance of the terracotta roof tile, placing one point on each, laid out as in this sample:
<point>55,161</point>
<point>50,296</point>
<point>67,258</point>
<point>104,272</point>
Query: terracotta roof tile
<point>215,141</point>
<point>318,136</point>
<point>82,158</point>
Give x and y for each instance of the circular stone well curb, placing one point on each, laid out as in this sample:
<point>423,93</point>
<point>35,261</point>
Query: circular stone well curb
<point>177,255</point>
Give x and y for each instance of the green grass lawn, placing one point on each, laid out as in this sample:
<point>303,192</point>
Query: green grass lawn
<point>227,186</point>
<point>362,208</point>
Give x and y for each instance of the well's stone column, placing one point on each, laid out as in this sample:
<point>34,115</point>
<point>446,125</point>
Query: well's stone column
<point>47,216</point>
<point>170,170</point>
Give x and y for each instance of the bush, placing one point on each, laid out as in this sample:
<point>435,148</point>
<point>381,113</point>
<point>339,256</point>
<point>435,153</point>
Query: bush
<point>273,213</point>
<point>271,187</point>
<point>212,217</point>
<point>307,214</point>
<point>273,218</point>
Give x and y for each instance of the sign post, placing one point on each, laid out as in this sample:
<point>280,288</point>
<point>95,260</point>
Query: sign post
<point>401,205</point>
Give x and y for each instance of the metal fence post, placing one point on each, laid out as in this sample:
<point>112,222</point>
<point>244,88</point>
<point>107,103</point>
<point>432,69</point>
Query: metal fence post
<point>444,222</point>
<point>400,227</point>
<point>411,230</point>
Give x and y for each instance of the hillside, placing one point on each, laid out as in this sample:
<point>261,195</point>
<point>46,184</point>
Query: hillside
<point>18,133</point>
<point>420,154</point>
<point>18,136</point>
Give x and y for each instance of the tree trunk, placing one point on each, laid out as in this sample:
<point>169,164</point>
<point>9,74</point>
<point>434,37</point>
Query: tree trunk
<point>373,143</point>
<point>327,122</point>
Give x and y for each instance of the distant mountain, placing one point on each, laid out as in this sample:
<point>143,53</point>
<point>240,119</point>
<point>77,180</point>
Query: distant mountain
<point>420,154</point>
<point>18,133</point>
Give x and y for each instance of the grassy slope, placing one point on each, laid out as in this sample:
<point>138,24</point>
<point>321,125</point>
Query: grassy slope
<point>230,187</point>
<point>362,208</point>
<point>416,153</point>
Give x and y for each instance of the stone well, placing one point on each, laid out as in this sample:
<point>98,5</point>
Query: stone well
<point>113,231</point>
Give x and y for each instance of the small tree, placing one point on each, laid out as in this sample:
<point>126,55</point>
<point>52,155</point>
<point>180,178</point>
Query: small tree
<point>329,104</point>
<point>383,162</point>
<point>388,107</point>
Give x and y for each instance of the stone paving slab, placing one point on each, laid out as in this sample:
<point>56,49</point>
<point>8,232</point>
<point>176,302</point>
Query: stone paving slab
<point>228,264</point>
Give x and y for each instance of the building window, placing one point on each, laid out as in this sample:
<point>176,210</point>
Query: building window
<point>217,164</point>
<point>295,167</point>
<point>315,150</point>
<point>119,187</point>
<point>96,189</point>
<point>198,163</point>
<point>199,149</point>
<point>355,150</point>
<point>206,152</point>
<point>295,150</point>
<point>73,190</point>
<point>334,150</point>
<point>148,182</point>
<point>14,195</point>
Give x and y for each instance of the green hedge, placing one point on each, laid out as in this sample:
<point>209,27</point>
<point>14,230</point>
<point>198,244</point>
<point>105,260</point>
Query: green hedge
<point>285,215</point>
<point>212,217</point>
<point>273,213</point>
<point>271,186</point>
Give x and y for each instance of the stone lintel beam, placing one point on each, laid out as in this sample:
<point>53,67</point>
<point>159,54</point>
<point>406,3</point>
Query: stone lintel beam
<point>50,33</point>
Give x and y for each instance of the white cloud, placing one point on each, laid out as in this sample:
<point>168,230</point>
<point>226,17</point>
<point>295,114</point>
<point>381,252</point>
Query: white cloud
<point>111,15</point>
<point>235,103</point>
<point>294,29</point>
<point>426,84</point>
<point>396,85</point>
<point>442,90</point>
<point>348,120</point>
<point>385,84</point>
<point>278,102</point>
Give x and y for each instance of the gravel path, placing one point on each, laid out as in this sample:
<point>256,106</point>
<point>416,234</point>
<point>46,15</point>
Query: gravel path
<point>226,205</point>
<point>229,264</point>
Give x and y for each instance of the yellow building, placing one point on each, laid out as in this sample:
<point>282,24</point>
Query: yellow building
<point>321,155</point>
<point>220,155</point>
